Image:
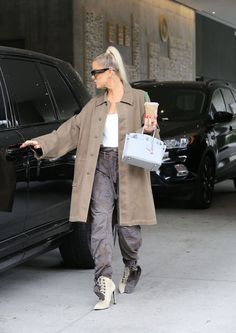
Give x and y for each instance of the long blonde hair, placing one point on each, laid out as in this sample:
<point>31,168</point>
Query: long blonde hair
<point>112,58</point>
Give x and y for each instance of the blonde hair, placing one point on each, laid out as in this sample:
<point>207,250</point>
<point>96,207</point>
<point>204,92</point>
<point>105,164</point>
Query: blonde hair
<point>112,58</point>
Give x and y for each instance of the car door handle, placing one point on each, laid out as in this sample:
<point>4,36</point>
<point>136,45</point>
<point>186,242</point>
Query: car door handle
<point>14,152</point>
<point>230,128</point>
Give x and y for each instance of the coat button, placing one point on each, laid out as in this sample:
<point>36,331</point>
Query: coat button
<point>88,173</point>
<point>92,154</point>
<point>99,119</point>
<point>95,136</point>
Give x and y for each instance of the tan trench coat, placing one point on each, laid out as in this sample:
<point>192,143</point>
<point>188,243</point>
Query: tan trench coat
<point>84,132</point>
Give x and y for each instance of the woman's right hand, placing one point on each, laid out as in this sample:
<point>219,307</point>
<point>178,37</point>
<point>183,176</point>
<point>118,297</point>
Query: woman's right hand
<point>31,143</point>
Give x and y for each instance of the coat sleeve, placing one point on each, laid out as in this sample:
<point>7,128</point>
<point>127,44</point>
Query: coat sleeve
<point>61,141</point>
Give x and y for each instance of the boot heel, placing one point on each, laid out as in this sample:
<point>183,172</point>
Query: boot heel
<point>114,297</point>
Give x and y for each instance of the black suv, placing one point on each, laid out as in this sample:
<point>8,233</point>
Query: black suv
<point>198,124</point>
<point>37,93</point>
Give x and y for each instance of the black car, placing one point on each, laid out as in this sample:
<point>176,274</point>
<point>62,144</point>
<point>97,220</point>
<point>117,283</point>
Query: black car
<point>37,93</point>
<point>197,120</point>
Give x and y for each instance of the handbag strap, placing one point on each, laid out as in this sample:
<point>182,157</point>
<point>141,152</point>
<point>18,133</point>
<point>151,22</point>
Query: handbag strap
<point>154,132</point>
<point>151,149</point>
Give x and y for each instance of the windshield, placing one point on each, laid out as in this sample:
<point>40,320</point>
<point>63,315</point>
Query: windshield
<point>177,104</point>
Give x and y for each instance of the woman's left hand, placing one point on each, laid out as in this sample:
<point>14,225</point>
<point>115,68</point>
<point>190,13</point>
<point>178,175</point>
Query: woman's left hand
<point>150,124</point>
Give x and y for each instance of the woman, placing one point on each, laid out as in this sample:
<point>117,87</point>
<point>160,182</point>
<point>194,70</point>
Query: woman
<point>101,179</point>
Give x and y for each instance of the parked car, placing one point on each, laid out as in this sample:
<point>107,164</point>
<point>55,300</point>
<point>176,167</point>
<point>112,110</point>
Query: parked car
<point>37,93</point>
<point>198,124</point>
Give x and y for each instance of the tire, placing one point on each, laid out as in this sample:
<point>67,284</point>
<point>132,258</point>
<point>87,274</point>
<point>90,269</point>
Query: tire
<point>75,248</point>
<point>205,184</point>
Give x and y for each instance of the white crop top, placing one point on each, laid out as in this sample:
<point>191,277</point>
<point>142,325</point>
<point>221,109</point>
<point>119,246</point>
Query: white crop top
<point>110,132</point>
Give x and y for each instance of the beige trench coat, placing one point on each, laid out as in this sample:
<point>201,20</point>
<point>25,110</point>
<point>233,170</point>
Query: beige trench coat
<point>84,132</point>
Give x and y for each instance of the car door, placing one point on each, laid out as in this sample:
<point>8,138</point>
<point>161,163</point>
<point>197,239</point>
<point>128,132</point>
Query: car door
<point>222,133</point>
<point>49,191</point>
<point>13,188</point>
<point>231,137</point>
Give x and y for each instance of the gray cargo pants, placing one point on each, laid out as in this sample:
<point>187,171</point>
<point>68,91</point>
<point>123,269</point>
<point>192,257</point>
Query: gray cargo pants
<point>103,201</point>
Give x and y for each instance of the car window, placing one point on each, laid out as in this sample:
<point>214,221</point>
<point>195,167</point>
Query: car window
<point>229,100</point>
<point>66,103</point>
<point>30,97</point>
<point>3,118</point>
<point>186,102</point>
<point>217,103</point>
<point>233,107</point>
<point>177,104</point>
<point>234,94</point>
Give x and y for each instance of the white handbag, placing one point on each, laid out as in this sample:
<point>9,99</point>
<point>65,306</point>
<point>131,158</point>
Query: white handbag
<point>143,151</point>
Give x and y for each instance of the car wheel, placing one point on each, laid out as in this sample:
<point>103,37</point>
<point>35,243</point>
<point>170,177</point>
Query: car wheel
<point>75,248</point>
<point>205,184</point>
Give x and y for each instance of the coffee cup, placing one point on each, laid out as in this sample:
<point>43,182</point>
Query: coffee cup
<point>151,109</point>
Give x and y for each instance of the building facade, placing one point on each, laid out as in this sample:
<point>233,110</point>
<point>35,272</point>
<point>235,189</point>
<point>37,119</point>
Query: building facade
<point>155,37</point>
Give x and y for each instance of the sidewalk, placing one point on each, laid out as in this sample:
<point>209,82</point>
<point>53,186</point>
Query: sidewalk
<point>188,283</point>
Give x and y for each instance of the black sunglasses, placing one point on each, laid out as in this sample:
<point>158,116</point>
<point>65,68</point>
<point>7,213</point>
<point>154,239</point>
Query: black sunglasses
<point>94,72</point>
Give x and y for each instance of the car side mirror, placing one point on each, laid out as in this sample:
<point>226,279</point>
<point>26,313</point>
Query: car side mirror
<point>222,117</point>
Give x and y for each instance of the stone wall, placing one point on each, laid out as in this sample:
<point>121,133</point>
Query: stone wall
<point>94,32</point>
<point>146,55</point>
<point>178,66</point>
<point>93,43</point>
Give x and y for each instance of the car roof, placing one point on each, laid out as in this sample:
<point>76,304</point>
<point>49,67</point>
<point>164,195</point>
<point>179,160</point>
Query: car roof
<point>203,85</point>
<point>10,51</point>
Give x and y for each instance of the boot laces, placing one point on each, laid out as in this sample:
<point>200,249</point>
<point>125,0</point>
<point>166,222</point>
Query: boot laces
<point>101,283</point>
<point>125,275</point>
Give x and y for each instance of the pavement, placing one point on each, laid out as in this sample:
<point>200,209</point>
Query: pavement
<point>188,282</point>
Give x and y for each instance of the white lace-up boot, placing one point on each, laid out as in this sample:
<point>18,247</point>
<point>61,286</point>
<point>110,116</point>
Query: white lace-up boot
<point>123,280</point>
<point>129,280</point>
<point>105,289</point>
